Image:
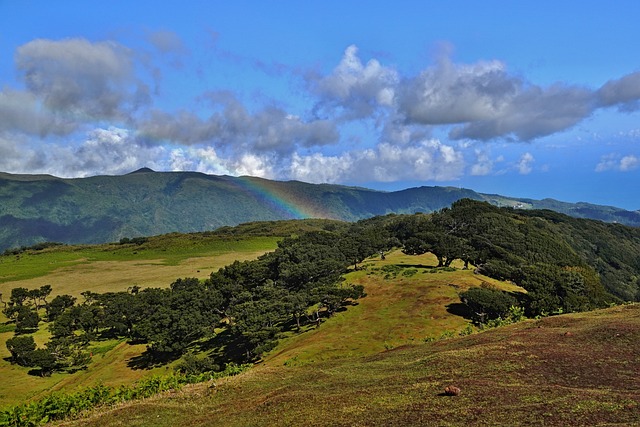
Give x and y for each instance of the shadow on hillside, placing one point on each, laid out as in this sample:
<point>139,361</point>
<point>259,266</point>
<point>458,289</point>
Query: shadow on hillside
<point>150,360</point>
<point>460,309</point>
<point>428,267</point>
<point>226,347</point>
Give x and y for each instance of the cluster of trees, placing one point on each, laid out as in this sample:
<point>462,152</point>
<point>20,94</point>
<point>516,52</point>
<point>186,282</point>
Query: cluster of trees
<point>61,352</point>
<point>565,264</point>
<point>254,302</point>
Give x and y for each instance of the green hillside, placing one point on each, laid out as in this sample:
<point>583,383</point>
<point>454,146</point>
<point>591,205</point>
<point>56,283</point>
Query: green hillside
<point>101,209</point>
<point>347,298</point>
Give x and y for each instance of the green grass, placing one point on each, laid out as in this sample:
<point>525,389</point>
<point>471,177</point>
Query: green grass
<point>370,365</point>
<point>171,249</point>
<point>402,306</point>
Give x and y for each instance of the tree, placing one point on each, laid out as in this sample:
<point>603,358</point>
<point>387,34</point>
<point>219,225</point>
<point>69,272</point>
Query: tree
<point>21,348</point>
<point>487,304</point>
<point>39,296</point>
<point>58,305</point>
<point>43,358</point>
<point>26,320</point>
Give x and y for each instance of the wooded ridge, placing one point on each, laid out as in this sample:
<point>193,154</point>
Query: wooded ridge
<point>40,208</point>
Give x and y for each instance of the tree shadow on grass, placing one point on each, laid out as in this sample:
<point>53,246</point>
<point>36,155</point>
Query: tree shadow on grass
<point>460,309</point>
<point>151,359</point>
<point>428,267</point>
<point>225,347</point>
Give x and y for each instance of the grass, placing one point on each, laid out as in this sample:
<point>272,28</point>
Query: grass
<point>570,370</point>
<point>102,268</point>
<point>370,365</point>
<point>398,309</point>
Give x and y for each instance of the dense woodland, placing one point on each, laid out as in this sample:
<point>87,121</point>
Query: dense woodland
<point>239,312</point>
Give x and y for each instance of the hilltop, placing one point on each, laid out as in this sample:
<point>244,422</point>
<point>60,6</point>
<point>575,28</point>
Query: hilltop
<point>99,209</point>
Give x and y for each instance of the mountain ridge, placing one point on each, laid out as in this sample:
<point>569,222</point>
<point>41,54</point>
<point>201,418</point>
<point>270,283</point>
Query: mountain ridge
<point>98,209</point>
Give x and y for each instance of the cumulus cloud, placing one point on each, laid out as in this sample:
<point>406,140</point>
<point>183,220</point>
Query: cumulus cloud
<point>207,160</point>
<point>485,102</point>
<point>524,164</point>
<point>22,112</point>
<point>17,157</point>
<point>478,101</point>
<point>268,129</point>
<point>623,92</point>
<point>616,162</point>
<point>354,87</point>
<point>427,160</point>
<point>483,165</point>
<point>78,77</point>
<point>102,151</point>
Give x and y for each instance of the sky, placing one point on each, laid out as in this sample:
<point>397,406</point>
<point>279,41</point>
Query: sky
<point>526,98</point>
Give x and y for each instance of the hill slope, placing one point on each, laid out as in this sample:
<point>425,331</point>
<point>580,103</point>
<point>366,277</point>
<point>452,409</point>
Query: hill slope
<point>570,370</point>
<point>37,208</point>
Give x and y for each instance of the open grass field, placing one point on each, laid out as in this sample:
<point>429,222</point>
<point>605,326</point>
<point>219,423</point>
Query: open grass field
<point>370,365</point>
<point>569,370</point>
<point>103,268</point>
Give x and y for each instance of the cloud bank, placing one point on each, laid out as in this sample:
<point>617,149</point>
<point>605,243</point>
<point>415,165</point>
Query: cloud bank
<point>83,107</point>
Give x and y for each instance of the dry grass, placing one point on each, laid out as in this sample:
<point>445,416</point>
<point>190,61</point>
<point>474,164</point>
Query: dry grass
<point>113,276</point>
<point>110,368</point>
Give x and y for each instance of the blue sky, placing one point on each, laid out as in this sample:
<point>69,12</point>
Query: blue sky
<point>530,98</point>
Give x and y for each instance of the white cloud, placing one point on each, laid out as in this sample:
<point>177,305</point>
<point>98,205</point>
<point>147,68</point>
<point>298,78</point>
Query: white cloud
<point>483,165</point>
<point>427,160</point>
<point>233,126</point>
<point>524,164</point>
<point>628,163</point>
<point>356,88</point>
<point>615,162</point>
<point>81,79</point>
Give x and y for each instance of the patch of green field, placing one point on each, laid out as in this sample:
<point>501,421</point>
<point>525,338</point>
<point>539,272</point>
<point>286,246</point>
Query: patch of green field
<point>570,370</point>
<point>399,309</point>
<point>171,250</point>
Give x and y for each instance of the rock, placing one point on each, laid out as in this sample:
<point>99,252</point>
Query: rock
<point>451,390</point>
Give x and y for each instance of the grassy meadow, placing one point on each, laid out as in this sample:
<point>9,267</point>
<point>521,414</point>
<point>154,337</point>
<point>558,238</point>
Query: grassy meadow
<point>114,267</point>
<point>384,360</point>
<point>408,300</point>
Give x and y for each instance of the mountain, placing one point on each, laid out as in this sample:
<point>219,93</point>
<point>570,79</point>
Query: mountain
<point>37,208</point>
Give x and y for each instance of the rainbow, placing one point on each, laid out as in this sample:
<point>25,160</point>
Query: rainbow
<point>273,195</point>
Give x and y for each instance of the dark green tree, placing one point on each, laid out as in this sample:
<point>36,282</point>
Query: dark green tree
<point>27,319</point>
<point>43,358</point>
<point>487,304</point>
<point>58,305</point>
<point>20,348</point>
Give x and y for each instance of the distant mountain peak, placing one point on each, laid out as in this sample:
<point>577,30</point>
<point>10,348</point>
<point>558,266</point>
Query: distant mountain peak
<point>142,170</point>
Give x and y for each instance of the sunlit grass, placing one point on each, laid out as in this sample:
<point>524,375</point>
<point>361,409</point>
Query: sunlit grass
<point>398,309</point>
